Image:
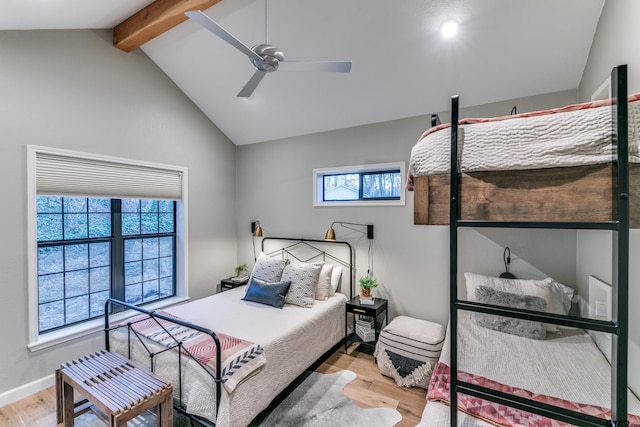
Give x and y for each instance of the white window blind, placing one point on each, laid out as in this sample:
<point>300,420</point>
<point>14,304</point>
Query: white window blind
<point>79,174</point>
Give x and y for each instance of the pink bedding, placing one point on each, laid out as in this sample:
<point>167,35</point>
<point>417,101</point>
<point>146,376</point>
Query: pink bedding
<point>501,415</point>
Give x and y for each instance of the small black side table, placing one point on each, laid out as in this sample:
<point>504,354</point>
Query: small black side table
<point>226,284</point>
<point>375,310</point>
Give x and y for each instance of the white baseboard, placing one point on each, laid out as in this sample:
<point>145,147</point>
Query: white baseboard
<point>25,390</point>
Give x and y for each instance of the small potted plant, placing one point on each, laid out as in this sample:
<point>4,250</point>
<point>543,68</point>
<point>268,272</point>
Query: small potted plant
<point>242,268</point>
<point>366,284</point>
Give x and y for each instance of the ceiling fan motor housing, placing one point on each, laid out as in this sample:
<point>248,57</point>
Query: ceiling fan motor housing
<point>270,55</point>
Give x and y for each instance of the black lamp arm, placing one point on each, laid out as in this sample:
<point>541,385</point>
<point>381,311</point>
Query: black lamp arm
<point>369,227</point>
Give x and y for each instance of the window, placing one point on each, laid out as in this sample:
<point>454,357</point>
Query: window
<point>380,184</point>
<point>100,227</point>
<point>83,259</point>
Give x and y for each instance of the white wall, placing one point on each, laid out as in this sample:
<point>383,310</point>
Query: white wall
<point>412,262</point>
<point>615,43</point>
<point>73,90</point>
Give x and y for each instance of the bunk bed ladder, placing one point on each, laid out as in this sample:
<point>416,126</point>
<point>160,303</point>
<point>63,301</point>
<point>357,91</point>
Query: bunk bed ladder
<point>617,327</point>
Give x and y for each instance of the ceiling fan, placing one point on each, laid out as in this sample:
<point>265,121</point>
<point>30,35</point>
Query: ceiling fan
<point>265,57</point>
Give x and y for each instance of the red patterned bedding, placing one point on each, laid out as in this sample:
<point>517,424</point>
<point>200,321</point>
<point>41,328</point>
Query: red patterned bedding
<point>501,415</point>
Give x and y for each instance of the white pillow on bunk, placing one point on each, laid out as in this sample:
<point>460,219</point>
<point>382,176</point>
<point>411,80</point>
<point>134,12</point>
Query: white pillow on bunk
<point>537,288</point>
<point>562,297</point>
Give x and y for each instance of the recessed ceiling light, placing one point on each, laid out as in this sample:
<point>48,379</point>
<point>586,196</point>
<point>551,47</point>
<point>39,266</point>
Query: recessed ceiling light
<point>449,29</point>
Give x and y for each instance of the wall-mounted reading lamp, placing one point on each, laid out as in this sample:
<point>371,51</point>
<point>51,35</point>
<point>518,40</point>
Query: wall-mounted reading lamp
<point>256,231</point>
<point>331,234</point>
<point>368,230</point>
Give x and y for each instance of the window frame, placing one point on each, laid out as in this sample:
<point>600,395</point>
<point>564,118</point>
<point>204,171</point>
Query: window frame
<point>318,184</point>
<point>38,341</point>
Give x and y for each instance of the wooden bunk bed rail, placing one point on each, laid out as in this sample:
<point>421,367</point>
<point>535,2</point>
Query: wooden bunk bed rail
<point>576,194</point>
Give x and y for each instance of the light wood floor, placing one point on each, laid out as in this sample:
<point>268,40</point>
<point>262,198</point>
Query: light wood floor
<point>369,390</point>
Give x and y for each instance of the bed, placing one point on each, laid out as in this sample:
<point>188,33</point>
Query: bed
<point>576,372</point>
<point>269,347</point>
<point>502,361</point>
<point>552,165</point>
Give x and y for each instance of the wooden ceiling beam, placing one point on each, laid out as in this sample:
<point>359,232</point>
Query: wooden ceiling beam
<point>153,20</point>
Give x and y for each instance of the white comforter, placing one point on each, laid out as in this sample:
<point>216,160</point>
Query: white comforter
<point>567,365</point>
<point>293,338</point>
<point>573,138</point>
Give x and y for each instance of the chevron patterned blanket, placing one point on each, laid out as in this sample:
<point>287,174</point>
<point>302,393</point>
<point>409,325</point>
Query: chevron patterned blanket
<point>501,415</point>
<point>238,358</point>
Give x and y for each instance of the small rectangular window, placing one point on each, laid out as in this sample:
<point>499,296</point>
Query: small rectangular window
<point>379,184</point>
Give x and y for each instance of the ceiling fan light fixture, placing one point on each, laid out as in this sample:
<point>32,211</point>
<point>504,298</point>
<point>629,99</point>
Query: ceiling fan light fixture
<point>449,29</point>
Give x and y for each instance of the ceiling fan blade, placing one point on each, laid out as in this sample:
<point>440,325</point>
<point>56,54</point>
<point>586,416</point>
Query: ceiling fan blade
<point>332,66</point>
<point>215,28</point>
<point>251,85</point>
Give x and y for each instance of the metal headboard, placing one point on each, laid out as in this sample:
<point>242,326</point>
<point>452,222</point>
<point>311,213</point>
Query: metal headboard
<point>310,250</point>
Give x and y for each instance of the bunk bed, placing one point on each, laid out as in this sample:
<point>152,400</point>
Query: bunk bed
<point>539,166</point>
<point>227,377</point>
<point>466,388</point>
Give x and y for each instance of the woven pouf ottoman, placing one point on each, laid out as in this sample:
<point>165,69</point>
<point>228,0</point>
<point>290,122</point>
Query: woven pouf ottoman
<point>408,350</point>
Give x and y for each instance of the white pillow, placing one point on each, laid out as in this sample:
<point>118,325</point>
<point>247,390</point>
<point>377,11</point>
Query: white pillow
<point>304,279</point>
<point>336,278</point>
<point>537,288</point>
<point>562,297</point>
<point>268,269</point>
<point>324,282</point>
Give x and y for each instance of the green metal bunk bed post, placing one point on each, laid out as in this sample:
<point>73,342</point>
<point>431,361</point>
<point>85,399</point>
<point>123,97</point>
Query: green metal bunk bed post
<point>618,326</point>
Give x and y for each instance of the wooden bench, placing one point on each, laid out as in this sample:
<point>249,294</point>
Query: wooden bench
<point>118,388</point>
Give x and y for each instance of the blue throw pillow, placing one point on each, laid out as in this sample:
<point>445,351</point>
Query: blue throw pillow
<point>270,293</point>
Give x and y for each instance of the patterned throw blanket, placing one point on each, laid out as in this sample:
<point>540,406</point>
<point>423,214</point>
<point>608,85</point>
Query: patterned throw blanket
<point>501,415</point>
<point>239,358</point>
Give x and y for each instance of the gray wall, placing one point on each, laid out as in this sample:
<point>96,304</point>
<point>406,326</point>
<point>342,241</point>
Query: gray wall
<point>412,262</point>
<point>73,90</point>
<point>615,43</point>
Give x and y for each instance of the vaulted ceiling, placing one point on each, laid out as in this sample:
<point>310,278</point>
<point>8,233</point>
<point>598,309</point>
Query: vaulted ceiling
<point>402,66</point>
